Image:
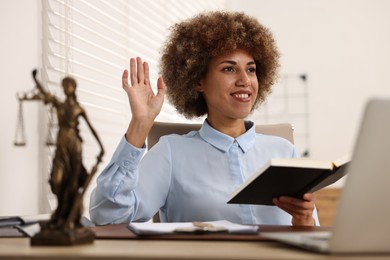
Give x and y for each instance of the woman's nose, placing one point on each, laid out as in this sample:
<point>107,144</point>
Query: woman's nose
<point>243,80</point>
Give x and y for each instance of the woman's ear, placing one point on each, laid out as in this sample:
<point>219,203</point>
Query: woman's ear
<point>199,88</point>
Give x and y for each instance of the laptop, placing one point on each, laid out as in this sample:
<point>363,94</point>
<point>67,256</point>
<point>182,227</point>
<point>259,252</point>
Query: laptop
<point>362,221</point>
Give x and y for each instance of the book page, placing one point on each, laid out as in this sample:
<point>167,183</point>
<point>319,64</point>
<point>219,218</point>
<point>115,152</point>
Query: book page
<point>302,163</point>
<point>342,160</point>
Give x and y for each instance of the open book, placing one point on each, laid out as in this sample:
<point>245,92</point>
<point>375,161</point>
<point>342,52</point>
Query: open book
<point>289,177</point>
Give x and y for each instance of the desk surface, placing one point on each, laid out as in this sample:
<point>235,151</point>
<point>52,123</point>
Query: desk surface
<point>19,248</point>
<point>132,248</point>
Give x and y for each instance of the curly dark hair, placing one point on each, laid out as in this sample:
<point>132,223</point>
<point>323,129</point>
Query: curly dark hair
<point>194,42</point>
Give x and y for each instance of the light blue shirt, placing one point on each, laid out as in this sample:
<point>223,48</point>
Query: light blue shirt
<point>187,178</point>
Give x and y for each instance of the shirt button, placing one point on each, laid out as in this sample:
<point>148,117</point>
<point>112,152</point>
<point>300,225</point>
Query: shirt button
<point>126,163</point>
<point>134,154</point>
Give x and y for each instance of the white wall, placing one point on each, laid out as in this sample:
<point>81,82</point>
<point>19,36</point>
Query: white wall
<point>20,52</point>
<point>341,45</point>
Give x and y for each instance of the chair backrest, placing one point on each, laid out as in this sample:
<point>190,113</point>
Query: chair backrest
<point>159,129</point>
<point>285,130</point>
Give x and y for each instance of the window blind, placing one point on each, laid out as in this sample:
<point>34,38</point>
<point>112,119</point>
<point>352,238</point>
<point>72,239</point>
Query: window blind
<point>92,41</point>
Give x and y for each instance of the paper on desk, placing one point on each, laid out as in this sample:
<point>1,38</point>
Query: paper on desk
<point>150,228</point>
<point>23,225</point>
<point>10,221</point>
<point>30,229</point>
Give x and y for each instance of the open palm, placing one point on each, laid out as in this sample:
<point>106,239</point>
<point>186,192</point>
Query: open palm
<point>144,104</point>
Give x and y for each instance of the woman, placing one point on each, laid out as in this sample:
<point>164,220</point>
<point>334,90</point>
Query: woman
<point>217,64</point>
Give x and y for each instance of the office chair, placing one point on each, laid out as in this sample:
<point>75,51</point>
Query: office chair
<point>159,129</point>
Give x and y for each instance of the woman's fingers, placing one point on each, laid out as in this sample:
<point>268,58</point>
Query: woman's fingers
<point>139,72</point>
<point>146,74</point>
<point>125,81</point>
<point>133,72</point>
<point>300,210</point>
<point>161,87</point>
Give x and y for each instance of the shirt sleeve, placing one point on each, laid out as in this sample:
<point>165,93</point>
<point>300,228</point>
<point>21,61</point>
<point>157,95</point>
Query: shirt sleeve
<point>132,187</point>
<point>113,200</point>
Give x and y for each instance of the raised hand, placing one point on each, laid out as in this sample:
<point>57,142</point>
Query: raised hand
<point>144,104</point>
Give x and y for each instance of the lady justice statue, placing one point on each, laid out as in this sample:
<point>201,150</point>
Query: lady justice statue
<point>68,178</point>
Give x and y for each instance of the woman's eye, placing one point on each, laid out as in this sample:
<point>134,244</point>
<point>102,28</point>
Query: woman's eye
<point>229,69</point>
<point>252,70</point>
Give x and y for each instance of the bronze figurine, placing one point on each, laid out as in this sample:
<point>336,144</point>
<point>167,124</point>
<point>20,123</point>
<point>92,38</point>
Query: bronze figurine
<point>68,178</point>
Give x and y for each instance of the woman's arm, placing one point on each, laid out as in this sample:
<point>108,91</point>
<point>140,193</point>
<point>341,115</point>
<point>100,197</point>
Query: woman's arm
<point>114,200</point>
<point>131,189</point>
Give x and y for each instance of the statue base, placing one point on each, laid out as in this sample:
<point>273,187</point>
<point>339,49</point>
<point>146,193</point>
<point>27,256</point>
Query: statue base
<point>60,237</point>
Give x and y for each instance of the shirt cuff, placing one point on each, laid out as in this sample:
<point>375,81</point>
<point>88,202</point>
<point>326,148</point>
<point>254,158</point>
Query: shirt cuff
<point>127,155</point>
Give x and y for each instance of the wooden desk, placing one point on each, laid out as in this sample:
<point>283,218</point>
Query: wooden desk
<point>113,249</point>
<point>326,203</point>
<point>19,248</point>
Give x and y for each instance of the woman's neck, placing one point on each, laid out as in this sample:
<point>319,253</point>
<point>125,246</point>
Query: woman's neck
<point>233,128</point>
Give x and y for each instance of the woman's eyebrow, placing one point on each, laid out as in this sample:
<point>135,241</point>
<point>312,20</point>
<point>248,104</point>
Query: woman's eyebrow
<point>234,62</point>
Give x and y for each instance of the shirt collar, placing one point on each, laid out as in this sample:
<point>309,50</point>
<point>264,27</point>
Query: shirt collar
<point>223,142</point>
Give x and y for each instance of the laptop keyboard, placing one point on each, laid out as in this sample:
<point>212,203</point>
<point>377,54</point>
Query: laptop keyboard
<point>318,235</point>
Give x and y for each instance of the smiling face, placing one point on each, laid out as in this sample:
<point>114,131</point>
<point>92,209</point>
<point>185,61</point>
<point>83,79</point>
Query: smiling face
<point>230,86</point>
